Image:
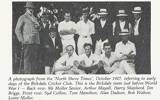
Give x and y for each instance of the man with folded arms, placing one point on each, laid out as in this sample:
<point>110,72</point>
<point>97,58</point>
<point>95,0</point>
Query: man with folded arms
<point>88,60</point>
<point>68,63</point>
<point>67,29</point>
<point>126,49</point>
<point>111,64</point>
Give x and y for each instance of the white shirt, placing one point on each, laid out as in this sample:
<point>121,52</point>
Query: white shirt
<point>122,48</point>
<point>109,60</point>
<point>136,32</point>
<point>122,24</point>
<point>66,26</point>
<point>103,22</point>
<point>44,25</point>
<point>53,40</point>
<point>89,61</point>
<point>66,60</point>
<point>85,29</point>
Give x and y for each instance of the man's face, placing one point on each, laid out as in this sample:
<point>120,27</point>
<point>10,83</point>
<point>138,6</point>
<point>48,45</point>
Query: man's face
<point>88,50</point>
<point>85,16</point>
<point>30,11</point>
<point>107,49</point>
<point>125,38</point>
<point>52,34</point>
<point>137,15</point>
<point>70,50</point>
<point>122,18</point>
<point>103,16</point>
<point>44,20</point>
<point>67,16</point>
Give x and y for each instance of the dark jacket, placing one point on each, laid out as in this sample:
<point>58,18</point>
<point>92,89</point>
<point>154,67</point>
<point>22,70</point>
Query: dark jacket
<point>53,50</point>
<point>118,29</point>
<point>143,28</point>
<point>105,32</point>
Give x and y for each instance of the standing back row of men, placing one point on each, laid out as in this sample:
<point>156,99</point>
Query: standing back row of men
<point>83,47</point>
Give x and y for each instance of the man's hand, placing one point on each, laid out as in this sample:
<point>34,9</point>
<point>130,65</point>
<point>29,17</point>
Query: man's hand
<point>100,64</point>
<point>72,31</point>
<point>68,67</point>
<point>64,63</point>
<point>108,70</point>
<point>47,46</point>
<point>105,64</point>
<point>76,63</point>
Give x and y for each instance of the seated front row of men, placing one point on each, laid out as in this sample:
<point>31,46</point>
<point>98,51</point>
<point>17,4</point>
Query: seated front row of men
<point>119,62</point>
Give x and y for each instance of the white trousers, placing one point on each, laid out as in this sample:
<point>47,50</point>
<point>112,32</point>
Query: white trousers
<point>81,42</point>
<point>71,71</point>
<point>125,68</point>
<point>47,70</point>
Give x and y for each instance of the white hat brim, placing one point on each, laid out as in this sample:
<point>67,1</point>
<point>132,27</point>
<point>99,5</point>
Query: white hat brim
<point>137,12</point>
<point>103,13</point>
<point>122,15</point>
<point>124,34</point>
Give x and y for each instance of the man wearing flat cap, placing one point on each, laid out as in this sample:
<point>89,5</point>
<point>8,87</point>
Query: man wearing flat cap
<point>27,32</point>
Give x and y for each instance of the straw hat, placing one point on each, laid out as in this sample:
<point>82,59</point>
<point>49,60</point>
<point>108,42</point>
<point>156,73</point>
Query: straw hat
<point>124,32</point>
<point>122,13</point>
<point>103,12</point>
<point>137,10</point>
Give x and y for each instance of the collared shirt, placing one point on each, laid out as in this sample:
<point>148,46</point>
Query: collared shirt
<point>26,29</point>
<point>66,60</point>
<point>44,25</point>
<point>122,48</point>
<point>53,40</point>
<point>136,32</point>
<point>91,60</point>
<point>109,60</point>
<point>122,24</point>
<point>85,29</point>
<point>66,26</point>
<point>103,22</point>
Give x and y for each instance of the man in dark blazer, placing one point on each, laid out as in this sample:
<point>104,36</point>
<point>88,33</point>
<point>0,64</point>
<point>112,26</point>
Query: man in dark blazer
<point>103,28</point>
<point>51,45</point>
<point>141,38</point>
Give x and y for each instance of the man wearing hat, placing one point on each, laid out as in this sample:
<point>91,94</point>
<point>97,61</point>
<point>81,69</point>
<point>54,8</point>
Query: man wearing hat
<point>127,50</point>
<point>120,24</point>
<point>141,38</point>
<point>27,31</point>
<point>103,30</point>
<point>85,30</point>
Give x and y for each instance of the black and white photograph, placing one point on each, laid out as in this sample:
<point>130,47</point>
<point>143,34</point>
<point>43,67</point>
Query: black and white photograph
<point>71,38</point>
